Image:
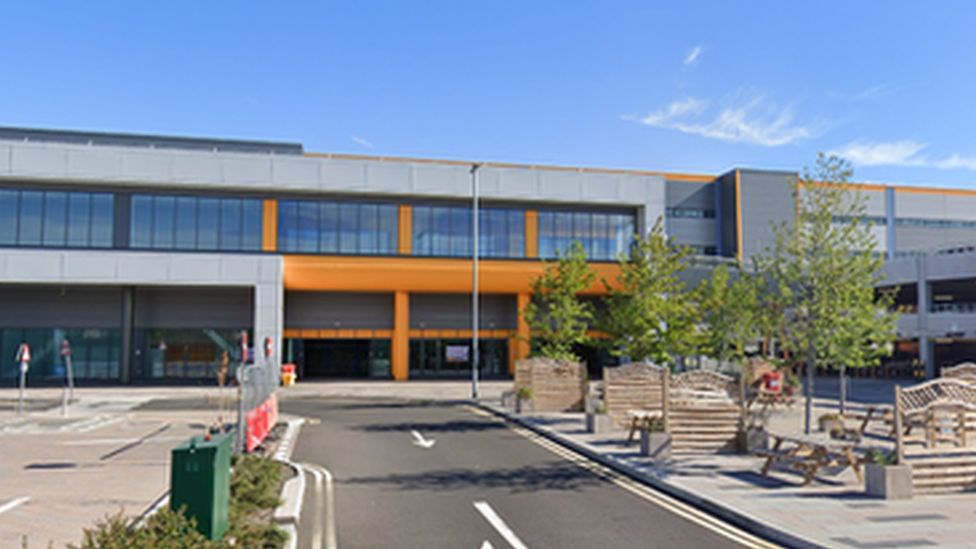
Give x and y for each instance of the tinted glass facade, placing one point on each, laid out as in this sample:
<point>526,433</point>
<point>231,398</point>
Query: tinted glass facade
<point>312,226</point>
<point>603,235</point>
<point>167,222</point>
<point>96,353</point>
<point>446,231</point>
<point>55,219</point>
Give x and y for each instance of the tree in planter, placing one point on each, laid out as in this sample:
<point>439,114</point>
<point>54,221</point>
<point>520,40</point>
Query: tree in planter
<point>823,271</point>
<point>556,315</point>
<point>649,313</point>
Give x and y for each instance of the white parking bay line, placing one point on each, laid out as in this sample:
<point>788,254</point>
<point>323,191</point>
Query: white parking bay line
<point>496,521</point>
<point>13,504</point>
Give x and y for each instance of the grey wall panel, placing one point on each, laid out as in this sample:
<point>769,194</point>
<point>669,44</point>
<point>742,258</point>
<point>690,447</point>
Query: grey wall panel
<point>930,238</point>
<point>874,203</point>
<point>194,307</point>
<point>919,205</point>
<point>31,306</point>
<point>685,194</point>
<point>338,310</point>
<point>453,311</point>
<point>726,215</point>
<point>767,199</point>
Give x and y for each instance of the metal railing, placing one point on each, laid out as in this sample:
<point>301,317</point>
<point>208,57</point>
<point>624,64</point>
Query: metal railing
<point>256,383</point>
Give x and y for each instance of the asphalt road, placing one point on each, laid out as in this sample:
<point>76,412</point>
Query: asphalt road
<point>479,478</point>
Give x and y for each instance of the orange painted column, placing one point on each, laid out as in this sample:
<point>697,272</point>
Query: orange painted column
<point>531,233</point>
<point>269,226</point>
<point>400,347</point>
<point>522,332</point>
<point>405,230</point>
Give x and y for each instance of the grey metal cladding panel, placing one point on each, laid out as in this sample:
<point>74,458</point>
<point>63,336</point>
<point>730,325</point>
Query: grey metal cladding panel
<point>920,205</point>
<point>194,307</point>
<point>950,266</point>
<point>693,231</point>
<point>767,199</point>
<point>960,207</point>
<point>874,203</point>
<point>333,310</point>
<point>918,238</point>
<point>684,194</point>
<point>695,275</point>
<point>900,271</point>
<point>453,311</point>
<point>56,306</point>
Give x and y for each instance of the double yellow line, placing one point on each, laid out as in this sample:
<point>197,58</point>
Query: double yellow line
<point>664,501</point>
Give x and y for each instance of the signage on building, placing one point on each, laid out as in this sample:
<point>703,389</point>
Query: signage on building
<point>456,353</point>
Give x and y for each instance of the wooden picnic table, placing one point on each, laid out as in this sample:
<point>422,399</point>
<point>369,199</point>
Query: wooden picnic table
<point>811,454</point>
<point>641,419</point>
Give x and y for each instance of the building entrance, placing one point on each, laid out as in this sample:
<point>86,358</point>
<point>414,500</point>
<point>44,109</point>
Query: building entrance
<point>341,358</point>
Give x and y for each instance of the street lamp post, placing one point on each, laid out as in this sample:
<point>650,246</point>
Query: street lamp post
<point>474,280</point>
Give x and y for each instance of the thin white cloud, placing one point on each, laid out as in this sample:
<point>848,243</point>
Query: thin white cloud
<point>901,153</point>
<point>894,153</point>
<point>361,142</point>
<point>692,56</point>
<point>754,122</point>
<point>873,92</point>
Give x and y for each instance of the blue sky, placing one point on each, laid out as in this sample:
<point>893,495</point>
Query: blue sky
<point>677,86</point>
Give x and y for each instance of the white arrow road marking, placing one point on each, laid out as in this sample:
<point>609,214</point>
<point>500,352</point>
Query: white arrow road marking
<point>419,440</point>
<point>487,545</point>
<point>492,517</point>
<point>13,504</point>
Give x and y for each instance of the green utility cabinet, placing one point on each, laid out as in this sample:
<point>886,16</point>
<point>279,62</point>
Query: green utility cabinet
<point>200,482</point>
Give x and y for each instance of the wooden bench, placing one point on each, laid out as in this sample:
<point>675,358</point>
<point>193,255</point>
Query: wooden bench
<point>810,456</point>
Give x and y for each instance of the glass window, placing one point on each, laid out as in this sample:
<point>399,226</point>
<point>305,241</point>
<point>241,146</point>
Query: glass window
<point>140,235</point>
<point>329,228</point>
<point>603,235</point>
<point>79,219</point>
<point>288,226</point>
<point>421,230</point>
<point>337,227</point>
<point>446,231</point>
<point>252,224</point>
<point>31,207</point>
<point>208,223</point>
<point>8,217</point>
<point>102,219</point>
<point>55,218</point>
<point>186,223</point>
<point>230,224</point>
<point>164,212</point>
<point>348,228</point>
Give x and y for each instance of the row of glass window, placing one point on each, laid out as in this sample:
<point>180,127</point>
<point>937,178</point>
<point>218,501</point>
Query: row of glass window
<point>95,353</point>
<point>693,213</point>
<point>167,222</point>
<point>310,226</point>
<point>936,223</point>
<point>604,236</point>
<point>446,231</point>
<point>56,218</point>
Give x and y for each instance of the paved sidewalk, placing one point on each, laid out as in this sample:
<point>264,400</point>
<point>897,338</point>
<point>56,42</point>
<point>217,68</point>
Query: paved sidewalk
<point>106,456</point>
<point>832,512</point>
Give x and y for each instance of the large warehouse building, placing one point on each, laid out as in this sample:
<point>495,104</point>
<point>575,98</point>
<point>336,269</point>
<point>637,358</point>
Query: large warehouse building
<point>151,254</point>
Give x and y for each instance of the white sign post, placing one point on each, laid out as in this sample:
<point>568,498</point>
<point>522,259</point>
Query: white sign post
<point>23,358</point>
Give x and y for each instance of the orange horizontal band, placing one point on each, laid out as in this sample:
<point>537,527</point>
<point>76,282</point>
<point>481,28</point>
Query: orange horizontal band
<point>389,274</point>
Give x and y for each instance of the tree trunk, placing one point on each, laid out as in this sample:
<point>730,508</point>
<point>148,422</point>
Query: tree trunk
<point>843,388</point>
<point>808,389</point>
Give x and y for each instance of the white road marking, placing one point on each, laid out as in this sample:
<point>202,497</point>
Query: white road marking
<point>653,496</point>
<point>328,503</point>
<point>13,504</point>
<point>496,521</point>
<point>103,441</point>
<point>419,440</point>
<point>487,545</point>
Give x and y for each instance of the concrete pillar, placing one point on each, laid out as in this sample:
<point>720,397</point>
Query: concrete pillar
<point>400,348</point>
<point>269,308</point>
<point>926,353</point>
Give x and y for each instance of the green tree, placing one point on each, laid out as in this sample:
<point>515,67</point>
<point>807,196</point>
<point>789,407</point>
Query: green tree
<point>729,314</point>
<point>824,270</point>
<point>649,311</point>
<point>557,317</point>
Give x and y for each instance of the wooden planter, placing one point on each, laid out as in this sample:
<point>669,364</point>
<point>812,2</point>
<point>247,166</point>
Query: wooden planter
<point>655,444</point>
<point>556,385</point>
<point>888,481</point>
